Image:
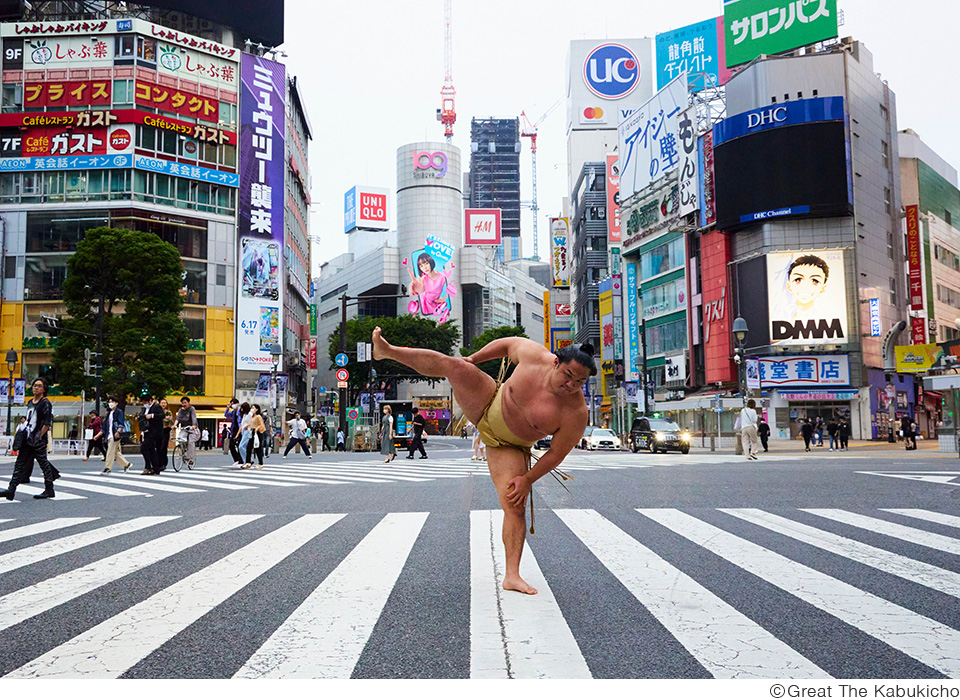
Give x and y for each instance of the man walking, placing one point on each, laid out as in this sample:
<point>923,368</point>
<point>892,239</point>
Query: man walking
<point>298,434</point>
<point>832,430</point>
<point>115,423</point>
<point>233,414</point>
<point>96,428</point>
<point>341,440</point>
<point>806,430</point>
<point>151,435</point>
<point>419,423</point>
<point>763,430</point>
<point>843,431</point>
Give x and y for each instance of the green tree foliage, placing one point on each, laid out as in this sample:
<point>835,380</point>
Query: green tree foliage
<point>492,367</point>
<point>140,279</point>
<point>408,331</point>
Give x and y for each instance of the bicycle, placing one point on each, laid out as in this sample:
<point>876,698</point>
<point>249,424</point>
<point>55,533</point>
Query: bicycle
<point>180,450</point>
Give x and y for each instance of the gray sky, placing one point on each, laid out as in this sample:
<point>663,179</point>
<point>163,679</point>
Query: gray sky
<point>371,74</point>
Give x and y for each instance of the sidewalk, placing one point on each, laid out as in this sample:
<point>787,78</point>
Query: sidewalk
<point>930,447</point>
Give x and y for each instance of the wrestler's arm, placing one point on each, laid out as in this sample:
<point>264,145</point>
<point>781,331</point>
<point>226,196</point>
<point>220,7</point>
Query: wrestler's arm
<point>517,349</point>
<point>563,441</point>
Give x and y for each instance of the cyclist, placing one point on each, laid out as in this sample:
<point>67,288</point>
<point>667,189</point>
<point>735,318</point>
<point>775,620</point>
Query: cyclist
<point>187,421</point>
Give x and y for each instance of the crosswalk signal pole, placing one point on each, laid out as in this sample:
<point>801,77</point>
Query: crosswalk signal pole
<point>343,348</point>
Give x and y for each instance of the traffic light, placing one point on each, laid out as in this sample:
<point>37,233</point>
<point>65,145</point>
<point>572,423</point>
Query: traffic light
<point>49,325</point>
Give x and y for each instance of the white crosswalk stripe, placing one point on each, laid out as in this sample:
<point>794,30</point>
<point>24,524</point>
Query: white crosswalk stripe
<point>647,556</point>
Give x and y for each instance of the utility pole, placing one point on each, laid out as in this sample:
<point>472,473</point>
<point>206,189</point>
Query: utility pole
<point>343,349</point>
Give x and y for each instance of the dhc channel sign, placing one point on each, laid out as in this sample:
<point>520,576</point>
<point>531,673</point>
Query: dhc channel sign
<point>611,71</point>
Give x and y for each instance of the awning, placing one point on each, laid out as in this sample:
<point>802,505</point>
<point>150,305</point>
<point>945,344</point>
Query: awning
<point>210,414</point>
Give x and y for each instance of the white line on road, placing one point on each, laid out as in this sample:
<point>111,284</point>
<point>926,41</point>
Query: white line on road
<point>884,527</point>
<point>40,597</point>
<point>31,490</point>
<point>110,648</point>
<point>37,528</point>
<point>725,641</point>
<point>136,481</point>
<point>325,635</point>
<point>513,635</point>
<point>69,483</point>
<point>926,640</point>
<point>929,516</point>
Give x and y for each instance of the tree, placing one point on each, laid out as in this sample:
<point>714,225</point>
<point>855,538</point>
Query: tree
<point>139,278</point>
<point>407,330</point>
<point>492,367</point>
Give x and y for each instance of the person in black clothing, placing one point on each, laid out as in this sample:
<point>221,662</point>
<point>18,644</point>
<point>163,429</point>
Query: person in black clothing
<point>763,430</point>
<point>907,430</point>
<point>39,422</point>
<point>151,435</point>
<point>832,430</point>
<point>844,432</point>
<point>324,436</point>
<point>807,431</point>
<point>419,423</point>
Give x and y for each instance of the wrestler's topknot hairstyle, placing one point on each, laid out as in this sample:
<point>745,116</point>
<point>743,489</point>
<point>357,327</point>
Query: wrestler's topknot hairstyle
<point>581,353</point>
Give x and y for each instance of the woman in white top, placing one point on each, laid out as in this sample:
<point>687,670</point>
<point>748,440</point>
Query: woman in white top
<point>748,429</point>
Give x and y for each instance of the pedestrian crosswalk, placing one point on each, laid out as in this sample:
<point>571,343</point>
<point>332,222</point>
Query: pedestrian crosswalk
<point>647,592</point>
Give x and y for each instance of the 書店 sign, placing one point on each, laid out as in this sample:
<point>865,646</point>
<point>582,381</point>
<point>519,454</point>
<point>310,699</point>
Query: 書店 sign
<point>804,371</point>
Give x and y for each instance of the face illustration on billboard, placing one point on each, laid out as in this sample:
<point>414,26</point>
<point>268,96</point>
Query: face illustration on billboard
<point>807,298</point>
<point>260,262</point>
<point>430,280</point>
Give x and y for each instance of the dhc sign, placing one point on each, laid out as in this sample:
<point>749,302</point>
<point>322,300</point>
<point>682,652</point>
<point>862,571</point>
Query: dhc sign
<point>817,109</point>
<point>611,71</point>
<point>767,117</point>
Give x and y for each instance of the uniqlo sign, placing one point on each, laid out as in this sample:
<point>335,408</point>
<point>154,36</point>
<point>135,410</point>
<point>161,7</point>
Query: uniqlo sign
<point>372,208</point>
<point>915,271</point>
<point>481,226</point>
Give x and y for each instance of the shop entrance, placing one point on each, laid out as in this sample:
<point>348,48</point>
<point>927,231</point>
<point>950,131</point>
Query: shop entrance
<point>825,410</point>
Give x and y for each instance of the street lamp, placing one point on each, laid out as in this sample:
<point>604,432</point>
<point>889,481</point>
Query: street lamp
<point>11,365</point>
<point>740,331</point>
<point>276,352</point>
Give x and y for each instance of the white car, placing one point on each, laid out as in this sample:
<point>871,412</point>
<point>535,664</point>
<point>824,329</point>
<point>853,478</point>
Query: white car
<point>602,439</point>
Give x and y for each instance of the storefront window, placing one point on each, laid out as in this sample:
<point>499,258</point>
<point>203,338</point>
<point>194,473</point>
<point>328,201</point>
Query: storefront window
<point>669,336</point>
<point>188,235</point>
<point>60,231</point>
<point>195,282</point>
<point>662,259</point>
<point>44,276</point>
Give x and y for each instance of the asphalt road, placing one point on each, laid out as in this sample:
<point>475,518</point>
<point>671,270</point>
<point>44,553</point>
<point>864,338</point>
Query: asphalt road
<point>649,566</point>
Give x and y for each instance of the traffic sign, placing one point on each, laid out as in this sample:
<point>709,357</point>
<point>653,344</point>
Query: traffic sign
<point>323,390</point>
<point>341,359</point>
<point>342,375</point>
<point>342,385</point>
<point>352,414</point>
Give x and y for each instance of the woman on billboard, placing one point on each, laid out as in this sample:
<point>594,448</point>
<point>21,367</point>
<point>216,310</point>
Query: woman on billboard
<point>432,287</point>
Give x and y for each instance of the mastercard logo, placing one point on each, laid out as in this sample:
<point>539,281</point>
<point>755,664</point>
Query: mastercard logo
<point>593,113</point>
<point>120,139</point>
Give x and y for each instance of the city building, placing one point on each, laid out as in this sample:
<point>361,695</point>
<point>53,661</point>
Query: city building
<point>494,177</point>
<point>132,117</point>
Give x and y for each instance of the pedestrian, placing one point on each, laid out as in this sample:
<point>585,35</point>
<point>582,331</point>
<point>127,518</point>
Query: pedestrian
<point>748,429</point>
<point>387,434</point>
<point>21,426</point>
<point>906,432</point>
<point>225,439</point>
<point>914,429</point>
<point>819,431</point>
<point>96,428</point>
<point>150,420</point>
<point>116,423</point>
<point>233,414</point>
<point>267,440</point>
<point>205,439</point>
<point>479,449</point>
<point>763,431</point>
<point>258,435</point>
<point>844,433</point>
<point>73,434</point>
<point>806,429</point>
<point>419,423</point>
<point>187,420</point>
<point>245,434</point>
<point>324,436</point>
<point>164,446</point>
<point>832,431</point>
<point>298,435</point>
<point>341,440</point>
<point>39,421</point>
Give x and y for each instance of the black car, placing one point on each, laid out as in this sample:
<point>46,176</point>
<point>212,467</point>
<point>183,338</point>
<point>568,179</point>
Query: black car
<point>658,435</point>
<point>544,442</point>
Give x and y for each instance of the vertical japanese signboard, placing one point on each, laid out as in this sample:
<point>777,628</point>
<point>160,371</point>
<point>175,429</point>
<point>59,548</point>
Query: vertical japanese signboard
<point>546,319</point>
<point>708,190</point>
<point>648,139</point>
<point>875,317</point>
<point>260,211</point>
<point>689,181</point>
<point>606,332</point>
<point>633,331</point>
<point>559,244</point>
<point>915,272</point>
<point>754,27</point>
<point>613,198</point>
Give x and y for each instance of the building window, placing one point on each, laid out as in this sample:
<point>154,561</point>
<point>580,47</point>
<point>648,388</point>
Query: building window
<point>950,297</point>
<point>947,217</point>
<point>194,282</point>
<point>221,275</point>
<point>949,333</point>
<point>890,253</point>
<point>885,151</point>
<point>662,259</point>
<point>886,199</point>
<point>10,267</point>
<point>12,97</point>
<point>884,113</point>
<point>893,291</point>
<point>668,337</point>
<point>946,257</point>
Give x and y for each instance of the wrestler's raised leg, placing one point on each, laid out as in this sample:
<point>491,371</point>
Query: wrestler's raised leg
<point>506,463</point>
<point>472,386</point>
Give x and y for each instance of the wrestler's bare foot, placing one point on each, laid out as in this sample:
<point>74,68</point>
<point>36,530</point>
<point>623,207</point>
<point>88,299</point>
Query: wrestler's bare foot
<point>515,583</point>
<point>380,346</point>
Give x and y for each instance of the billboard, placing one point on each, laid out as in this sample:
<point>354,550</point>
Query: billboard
<point>633,323</point>
<point>917,358</point>
<point>804,371</point>
<point>807,298</point>
<point>613,198</point>
<point>698,50</point>
<point>755,27</point>
<point>915,269</point>
<point>708,198</point>
<point>606,330</point>
<point>546,319</point>
<point>559,245</point>
<point>431,286</point>
<point>606,81</point>
<point>647,139</point>
<point>481,226</point>
<point>765,171</point>
<point>260,202</point>
<point>365,208</point>
<point>689,179</point>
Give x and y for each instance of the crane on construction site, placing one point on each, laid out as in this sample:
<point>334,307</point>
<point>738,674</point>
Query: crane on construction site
<point>530,131</point>
<point>447,114</point>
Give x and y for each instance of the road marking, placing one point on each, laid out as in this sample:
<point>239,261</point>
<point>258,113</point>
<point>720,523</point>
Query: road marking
<point>34,490</point>
<point>98,488</point>
<point>110,648</point>
<point>198,482</point>
<point>513,635</point>
<point>926,640</point>
<point>929,516</point>
<point>52,548</point>
<point>883,527</point>
<point>37,528</point>
<point>726,642</point>
<point>934,477</point>
<point>140,482</point>
<point>40,597</point>
<point>325,635</point>
<point>910,569</point>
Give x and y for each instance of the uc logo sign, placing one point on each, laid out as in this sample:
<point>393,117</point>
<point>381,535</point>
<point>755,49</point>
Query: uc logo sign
<point>611,71</point>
